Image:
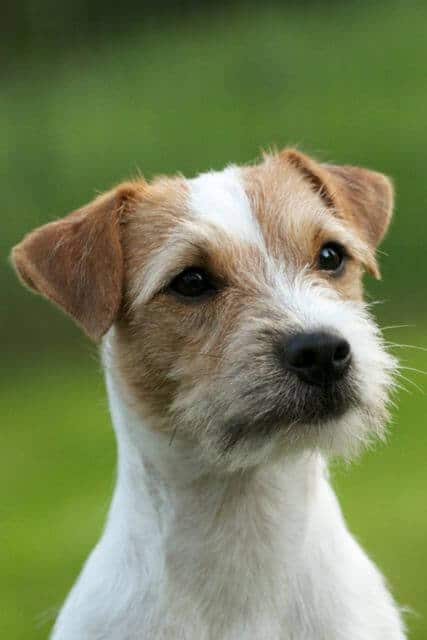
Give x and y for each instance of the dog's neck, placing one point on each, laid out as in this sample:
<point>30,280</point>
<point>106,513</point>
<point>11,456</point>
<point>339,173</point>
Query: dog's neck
<point>204,550</point>
<point>192,516</point>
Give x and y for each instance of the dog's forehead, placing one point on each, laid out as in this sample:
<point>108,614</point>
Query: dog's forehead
<point>240,220</point>
<point>220,198</point>
<point>261,204</point>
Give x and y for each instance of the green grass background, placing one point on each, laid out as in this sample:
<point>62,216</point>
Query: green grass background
<point>345,81</point>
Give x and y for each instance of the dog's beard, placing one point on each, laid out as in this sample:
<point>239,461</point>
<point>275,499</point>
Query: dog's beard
<point>292,408</point>
<point>336,424</point>
<point>261,413</point>
<point>285,415</point>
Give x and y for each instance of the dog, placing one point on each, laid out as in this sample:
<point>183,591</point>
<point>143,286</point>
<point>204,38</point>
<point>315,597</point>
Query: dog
<point>239,358</point>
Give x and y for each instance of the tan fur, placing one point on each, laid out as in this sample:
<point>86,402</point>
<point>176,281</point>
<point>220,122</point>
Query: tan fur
<point>296,220</point>
<point>364,198</point>
<point>367,198</point>
<point>145,336</point>
<point>77,261</point>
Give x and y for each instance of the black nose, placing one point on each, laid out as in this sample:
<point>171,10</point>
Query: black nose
<point>317,358</point>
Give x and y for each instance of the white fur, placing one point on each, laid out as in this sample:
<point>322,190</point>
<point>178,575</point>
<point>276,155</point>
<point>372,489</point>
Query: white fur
<point>219,198</point>
<point>265,556</point>
<point>193,553</point>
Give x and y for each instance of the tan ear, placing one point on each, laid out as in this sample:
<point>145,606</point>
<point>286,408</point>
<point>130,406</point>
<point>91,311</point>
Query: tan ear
<point>367,196</point>
<point>361,196</point>
<point>77,262</point>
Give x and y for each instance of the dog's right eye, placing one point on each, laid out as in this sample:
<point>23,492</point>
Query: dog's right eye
<point>192,283</point>
<point>331,257</point>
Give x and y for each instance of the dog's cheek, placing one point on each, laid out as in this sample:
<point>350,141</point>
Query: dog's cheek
<point>164,351</point>
<point>374,369</point>
<point>376,372</point>
<point>138,363</point>
<point>148,342</point>
<point>349,284</point>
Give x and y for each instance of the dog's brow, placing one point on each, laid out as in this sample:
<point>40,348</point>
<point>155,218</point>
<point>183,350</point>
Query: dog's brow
<point>189,245</point>
<point>220,198</point>
<point>330,228</point>
<point>195,242</point>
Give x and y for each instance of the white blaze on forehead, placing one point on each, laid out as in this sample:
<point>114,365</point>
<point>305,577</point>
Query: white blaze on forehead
<point>220,198</point>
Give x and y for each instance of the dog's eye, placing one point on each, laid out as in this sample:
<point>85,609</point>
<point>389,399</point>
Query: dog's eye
<point>192,283</point>
<point>331,257</point>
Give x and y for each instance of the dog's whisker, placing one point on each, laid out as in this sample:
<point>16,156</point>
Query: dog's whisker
<point>401,366</point>
<point>373,303</point>
<point>400,345</point>
<point>398,326</point>
<point>414,384</point>
<point>400,387</point>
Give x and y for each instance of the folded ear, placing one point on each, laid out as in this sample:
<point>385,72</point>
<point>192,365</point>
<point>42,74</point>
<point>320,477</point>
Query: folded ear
<point>368,197</point>
<point>361,196</point>
<point>77,262</point>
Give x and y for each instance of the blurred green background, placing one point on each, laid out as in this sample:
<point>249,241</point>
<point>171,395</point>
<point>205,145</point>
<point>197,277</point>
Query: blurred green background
<point>90,96</point>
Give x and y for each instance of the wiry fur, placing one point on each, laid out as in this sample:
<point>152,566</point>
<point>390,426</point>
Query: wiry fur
<point>223,524</point>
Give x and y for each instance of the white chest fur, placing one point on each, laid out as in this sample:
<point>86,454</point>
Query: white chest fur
<point>265,555</point>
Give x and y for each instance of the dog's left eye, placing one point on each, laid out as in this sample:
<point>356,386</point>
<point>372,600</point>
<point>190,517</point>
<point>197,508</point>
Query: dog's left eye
<point>331,257</point>
<point>192,283</point>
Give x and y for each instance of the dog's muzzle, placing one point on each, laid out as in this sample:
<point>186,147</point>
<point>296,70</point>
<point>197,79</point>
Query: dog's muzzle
<point>312,383</point>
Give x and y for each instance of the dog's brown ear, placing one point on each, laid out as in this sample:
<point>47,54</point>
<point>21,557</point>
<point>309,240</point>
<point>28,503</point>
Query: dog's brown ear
<point>367,197</point>
<point>77,262</point>
<point>361,196</point>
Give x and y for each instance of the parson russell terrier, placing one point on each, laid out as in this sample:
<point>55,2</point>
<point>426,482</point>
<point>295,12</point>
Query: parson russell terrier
<point>239,357</point>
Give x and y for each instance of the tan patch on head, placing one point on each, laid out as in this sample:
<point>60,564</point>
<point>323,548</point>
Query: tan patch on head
<point>296,216</point>
<point>142,349</point>
<point>362,197</point>
<point>285,207</point>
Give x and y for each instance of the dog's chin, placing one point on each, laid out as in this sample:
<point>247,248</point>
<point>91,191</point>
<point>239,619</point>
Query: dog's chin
<point>263,422</point>
<point>334,421</point>
<point>310,409</point>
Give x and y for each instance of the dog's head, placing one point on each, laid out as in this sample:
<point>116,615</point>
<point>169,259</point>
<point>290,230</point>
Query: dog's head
<point>234,301</point>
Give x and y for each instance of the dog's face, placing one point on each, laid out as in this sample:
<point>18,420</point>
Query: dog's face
<point>236,303</point>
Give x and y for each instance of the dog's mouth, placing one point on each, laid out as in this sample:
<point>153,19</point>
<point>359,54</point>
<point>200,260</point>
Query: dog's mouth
<point>303,407</point>
<point>316,404</point>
